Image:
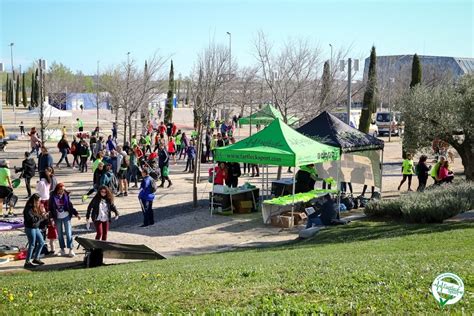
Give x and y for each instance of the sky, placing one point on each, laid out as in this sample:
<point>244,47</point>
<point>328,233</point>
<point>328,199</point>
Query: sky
<point>80,33</point>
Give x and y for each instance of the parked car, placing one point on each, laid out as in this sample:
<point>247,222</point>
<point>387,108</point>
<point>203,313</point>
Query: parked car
<point>386,122</point>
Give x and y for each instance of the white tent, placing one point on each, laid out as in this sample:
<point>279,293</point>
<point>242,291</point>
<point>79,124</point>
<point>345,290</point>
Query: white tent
<point>48,112</point>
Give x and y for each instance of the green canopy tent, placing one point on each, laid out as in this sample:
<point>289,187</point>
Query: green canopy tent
<point>278,144</point>
<point>266,116</point>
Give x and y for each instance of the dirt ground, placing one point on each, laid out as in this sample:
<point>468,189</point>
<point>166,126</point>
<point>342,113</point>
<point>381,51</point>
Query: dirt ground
<point>180,229</point>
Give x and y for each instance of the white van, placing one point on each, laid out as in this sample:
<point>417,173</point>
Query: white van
<point>385,123</point>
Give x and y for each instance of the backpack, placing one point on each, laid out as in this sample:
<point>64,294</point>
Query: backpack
<point>73,149</point>
<point>417,170</point>
<point>153,187</point>
<point>348,201</point>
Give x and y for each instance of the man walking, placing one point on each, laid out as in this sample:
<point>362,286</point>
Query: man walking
<point>146,197</point>
<point>80,125</point>
<point>28,169</point>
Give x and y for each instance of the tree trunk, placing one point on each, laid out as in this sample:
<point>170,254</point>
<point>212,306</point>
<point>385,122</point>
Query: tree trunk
<point>125,127</point>
<point>197,165</point>
<point>129,117</point>
<point>466,152</point>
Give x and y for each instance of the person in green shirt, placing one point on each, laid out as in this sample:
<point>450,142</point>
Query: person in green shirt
<point>147,143</point>
<point>408,170</point>
<point>177,141</point>
<point>96,162</point>
<point>435,169</point>
<point>80,125</point>
<point>6,187</point>
<point>134,141</point>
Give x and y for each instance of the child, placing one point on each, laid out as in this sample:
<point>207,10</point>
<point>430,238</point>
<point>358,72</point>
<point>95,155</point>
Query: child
<point>172,149</point>
<point>408,169</point>
<point>191,153</point>
<point>22,128</point>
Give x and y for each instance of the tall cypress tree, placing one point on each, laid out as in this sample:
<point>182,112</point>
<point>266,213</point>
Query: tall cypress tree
<point>12,91</point>
<point>326,85</point>
<point>369,105</point>
<point>415,80</point>
<point>17,91</point>
<point>7,91</point>
<point>33,87</point>
<point>23,91</point>
<point>36,93</point>
<point>415,71</point>
<point>169,97</point>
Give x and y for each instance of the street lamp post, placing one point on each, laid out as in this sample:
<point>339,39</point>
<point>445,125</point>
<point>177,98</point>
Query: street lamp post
<point>97,93</point>
<point>13,78</point>
<point>330,45</point>
<point>390,81</point>
<point>230,71</point>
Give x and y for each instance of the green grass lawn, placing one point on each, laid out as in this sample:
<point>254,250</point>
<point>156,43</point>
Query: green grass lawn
<point>365,267</point>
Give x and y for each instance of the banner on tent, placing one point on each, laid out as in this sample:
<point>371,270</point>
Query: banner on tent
<point>360,168</point>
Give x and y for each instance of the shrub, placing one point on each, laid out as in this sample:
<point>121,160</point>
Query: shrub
<point>432,206</point>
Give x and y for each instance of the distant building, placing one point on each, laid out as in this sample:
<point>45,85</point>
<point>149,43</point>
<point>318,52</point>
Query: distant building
<point>73,101</point>
<point>433,67</point>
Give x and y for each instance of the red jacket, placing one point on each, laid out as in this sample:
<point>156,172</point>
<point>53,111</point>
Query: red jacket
<point>173,130</point>
<point>220,175</point>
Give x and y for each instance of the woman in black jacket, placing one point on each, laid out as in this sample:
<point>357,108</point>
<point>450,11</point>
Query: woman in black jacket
<point>28,170</point>
<point>64,149</point>
<point>100,211</point>
<point>33,215</point>
<point>422,173</point>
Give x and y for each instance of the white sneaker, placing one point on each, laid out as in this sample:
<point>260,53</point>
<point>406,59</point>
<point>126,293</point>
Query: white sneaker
<point>62,253</point>
<point>71,253</point>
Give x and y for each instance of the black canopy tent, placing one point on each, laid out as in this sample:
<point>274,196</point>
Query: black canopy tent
<point>328,129</point>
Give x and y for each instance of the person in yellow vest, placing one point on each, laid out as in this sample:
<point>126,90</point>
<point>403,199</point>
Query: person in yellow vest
<point>2,132</point>
<point>80,125</point>
<point>408,170</point>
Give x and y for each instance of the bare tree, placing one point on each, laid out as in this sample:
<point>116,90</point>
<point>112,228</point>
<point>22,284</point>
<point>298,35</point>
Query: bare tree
<point>208,82</point>
<point>289,73</point>
<point>132,89</point>
<point>247,88</point>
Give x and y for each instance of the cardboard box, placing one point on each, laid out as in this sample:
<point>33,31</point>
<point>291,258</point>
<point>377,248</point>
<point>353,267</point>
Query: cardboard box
<point>243,206</point>
<point>298,217</point>
<point>282,221</point>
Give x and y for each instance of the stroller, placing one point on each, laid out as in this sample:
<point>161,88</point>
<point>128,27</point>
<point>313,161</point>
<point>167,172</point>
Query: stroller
<point>11,200</point>
<point>3,144</point>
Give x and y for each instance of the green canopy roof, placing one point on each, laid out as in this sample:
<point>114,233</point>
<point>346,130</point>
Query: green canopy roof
<point>279,145</point>
<point>265,116</point>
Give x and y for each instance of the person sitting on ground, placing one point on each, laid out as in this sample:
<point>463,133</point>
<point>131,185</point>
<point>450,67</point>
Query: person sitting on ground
<point>444,174</point>
<point>325,214</point>
<point>100,210</point>
<point>305,179</point>
<point>435,169</point>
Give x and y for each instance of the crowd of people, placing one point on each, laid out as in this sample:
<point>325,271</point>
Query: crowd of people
<point>147,159</point>
<point>440,173</point>
<point>49,210</point>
